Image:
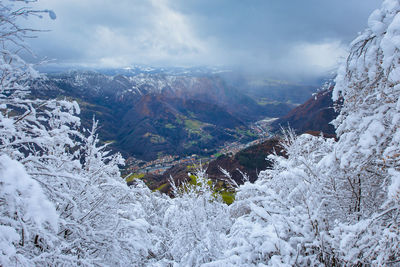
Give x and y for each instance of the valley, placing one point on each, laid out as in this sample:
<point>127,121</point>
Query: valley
<point>136,167</point>
<point>150,113</point>
<point>239,159</point>
<point>166,121</point>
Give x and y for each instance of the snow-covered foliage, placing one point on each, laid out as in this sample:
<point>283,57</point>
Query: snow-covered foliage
<point>283,218</point>
<point>369,130</point>
<point>26,215</point>
<point>196,223</point>
<point>368,125</point>
<point>334,203</point>
<point>63,201</point>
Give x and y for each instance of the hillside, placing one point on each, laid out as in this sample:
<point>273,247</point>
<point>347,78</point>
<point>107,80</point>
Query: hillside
<point>314,115</point>
<point>249,161</point>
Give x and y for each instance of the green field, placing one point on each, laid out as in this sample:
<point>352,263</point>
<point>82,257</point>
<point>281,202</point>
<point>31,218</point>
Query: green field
<point>161,187</point>
<point>134,176</point>
<point>193,124</point>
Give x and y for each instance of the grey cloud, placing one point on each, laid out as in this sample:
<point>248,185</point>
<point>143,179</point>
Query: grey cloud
<point>266,35</point>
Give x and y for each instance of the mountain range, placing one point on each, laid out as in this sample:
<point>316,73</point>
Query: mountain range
<point>146,113</point>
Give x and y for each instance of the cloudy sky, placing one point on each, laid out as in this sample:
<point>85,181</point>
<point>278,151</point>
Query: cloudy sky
<point>274,36</point>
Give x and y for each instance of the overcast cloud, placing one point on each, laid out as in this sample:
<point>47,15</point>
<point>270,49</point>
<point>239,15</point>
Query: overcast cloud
<point>272,36</point>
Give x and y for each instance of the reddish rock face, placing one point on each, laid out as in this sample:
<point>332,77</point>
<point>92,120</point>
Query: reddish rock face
<point>314,115</point>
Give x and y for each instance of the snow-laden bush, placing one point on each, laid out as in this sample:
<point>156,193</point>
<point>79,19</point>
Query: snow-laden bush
<point>369,130</point>
<point>334,203</point>
<point>195,224</point>
<point>283,218</point>
<point>63,202</point>
<point>28,219</point>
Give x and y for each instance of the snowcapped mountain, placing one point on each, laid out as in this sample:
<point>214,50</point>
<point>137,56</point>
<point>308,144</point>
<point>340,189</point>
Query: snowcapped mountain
<point>149,112</point>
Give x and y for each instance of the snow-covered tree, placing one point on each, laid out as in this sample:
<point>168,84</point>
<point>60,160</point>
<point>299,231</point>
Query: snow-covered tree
<point>282,219</point>
<point>26,128</point>
<point>63,201</point>
<point>195,224</point>
<point>28,219</point>
<point>334,203</point>
<point>369,130</point>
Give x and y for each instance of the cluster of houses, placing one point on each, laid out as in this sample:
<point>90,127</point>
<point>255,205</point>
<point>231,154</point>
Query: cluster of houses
<point>160,165</point>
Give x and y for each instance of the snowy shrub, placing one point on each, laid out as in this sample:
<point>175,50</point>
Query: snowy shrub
<point>369,128</point>
<point>63,202</point>
<point>282,219</point>
<point>334,203</point>
<point>28,220</point>
<point>196,223</point>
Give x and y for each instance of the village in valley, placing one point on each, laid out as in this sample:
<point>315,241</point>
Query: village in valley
<point>158,166</point>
